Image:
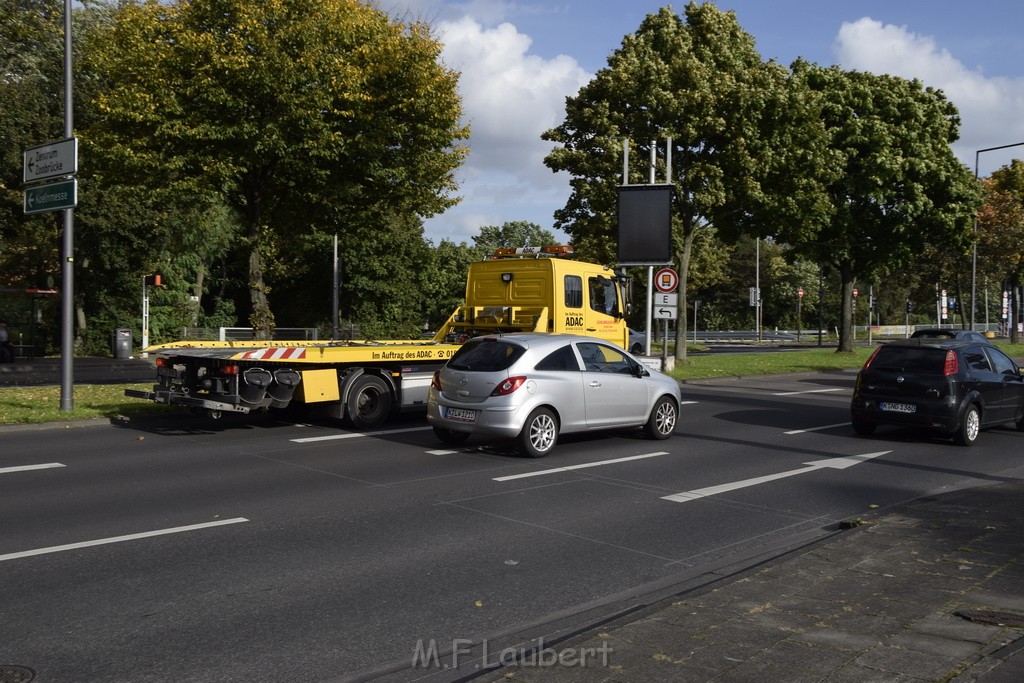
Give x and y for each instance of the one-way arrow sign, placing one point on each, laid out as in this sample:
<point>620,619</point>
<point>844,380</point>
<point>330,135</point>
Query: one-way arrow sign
<point>830,463</point>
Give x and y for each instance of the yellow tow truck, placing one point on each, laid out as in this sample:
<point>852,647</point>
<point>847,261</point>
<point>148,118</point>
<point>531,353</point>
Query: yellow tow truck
<point>529,289</point>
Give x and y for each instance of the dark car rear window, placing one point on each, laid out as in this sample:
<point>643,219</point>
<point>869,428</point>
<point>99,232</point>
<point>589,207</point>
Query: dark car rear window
<point>486,355</point>
<point>922,359</point>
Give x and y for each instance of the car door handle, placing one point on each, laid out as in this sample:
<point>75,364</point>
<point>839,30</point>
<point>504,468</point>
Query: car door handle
<point>595,383</point>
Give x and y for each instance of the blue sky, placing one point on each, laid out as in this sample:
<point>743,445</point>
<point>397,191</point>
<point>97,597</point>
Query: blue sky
<point>519,59</point>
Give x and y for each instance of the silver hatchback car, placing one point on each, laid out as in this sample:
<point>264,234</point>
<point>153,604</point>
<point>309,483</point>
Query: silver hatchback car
<point>532,387</point>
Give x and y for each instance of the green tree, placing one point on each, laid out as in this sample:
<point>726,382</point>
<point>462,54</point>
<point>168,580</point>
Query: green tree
<point>512,234</point>
<point>891,186</point>
<point>697,79</point>
<point>305,117</point>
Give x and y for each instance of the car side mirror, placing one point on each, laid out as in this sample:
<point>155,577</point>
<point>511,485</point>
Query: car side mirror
<point>641,371</point>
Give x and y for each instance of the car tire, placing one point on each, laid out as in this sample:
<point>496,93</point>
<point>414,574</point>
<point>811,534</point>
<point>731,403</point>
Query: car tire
<point>450,436</point>
<point>539,434</point>
<point>864,428</point>
<point>636,349</point>
<point>663,420</point>
<point>369,402</point>
<point>967,433</point>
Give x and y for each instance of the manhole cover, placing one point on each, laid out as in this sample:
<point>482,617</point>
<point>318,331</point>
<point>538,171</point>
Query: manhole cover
<point>984,616</point>
<point>12,673</point>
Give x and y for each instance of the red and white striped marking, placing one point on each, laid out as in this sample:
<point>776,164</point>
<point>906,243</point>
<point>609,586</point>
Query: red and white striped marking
<point>283,353</point>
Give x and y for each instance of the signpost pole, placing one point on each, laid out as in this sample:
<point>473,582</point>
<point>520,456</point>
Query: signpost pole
<point>67,341</point>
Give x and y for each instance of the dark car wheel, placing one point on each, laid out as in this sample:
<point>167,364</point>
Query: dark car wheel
<point>864,428</point>
<point>967,433</point>
<point>539,434</point>
<point>636,349</point>
<point>662,422</point>
<point>369,402</point>
<point>449,436</point>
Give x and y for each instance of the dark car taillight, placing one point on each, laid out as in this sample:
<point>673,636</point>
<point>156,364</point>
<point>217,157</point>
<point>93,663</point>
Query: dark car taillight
<point>507,386</point>
<point>952,364</point>
<point>872,357</point>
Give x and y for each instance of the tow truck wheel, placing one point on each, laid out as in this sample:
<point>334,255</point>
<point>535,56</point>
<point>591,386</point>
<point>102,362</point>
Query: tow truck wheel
<point>369,402</point>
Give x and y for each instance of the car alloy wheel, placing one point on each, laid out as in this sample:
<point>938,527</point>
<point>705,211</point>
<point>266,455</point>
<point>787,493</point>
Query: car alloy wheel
<point>539,434</point>
<point>662,422</point>
<point>967,433</point>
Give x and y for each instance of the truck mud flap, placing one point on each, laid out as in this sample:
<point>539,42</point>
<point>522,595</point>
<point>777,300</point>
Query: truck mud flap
<point>186,401</point>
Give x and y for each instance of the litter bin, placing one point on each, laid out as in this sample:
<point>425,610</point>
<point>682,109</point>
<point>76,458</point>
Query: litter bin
<point>121,343</point>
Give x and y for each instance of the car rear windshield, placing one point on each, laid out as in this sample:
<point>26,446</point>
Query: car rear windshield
<point>924,359</point>
<point>486,355</point>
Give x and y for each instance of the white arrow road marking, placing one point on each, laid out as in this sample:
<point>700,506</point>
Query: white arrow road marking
<point>569,468</point>
<point>831,463</point>
<point>806,391</point>
<point>26,468</point>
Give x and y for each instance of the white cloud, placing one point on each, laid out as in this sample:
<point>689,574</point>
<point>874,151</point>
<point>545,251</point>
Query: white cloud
<point>510,98</point>
<point>991,109</point>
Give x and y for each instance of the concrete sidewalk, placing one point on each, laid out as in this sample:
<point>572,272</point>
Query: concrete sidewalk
<point>931,592</point>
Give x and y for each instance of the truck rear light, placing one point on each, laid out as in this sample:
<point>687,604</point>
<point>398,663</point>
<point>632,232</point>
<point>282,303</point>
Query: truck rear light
<point>952,365</point>
<point>163,362</point>
<point>507,386</point>
<point>229,370</point>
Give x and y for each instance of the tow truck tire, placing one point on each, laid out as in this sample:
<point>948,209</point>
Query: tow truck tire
<point>369,402</point>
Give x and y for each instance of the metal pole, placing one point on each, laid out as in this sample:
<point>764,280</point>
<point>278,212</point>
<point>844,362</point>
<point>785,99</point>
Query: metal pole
<point>625,161</point>
<point>334,292</point>
<point>654,156</point>
<point>757,285</point>
<point>67,337</point>
<point>650,309</point>
<point>145,315</point>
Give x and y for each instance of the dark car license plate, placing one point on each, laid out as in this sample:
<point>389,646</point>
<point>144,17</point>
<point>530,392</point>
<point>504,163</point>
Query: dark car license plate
<point>897,407</point>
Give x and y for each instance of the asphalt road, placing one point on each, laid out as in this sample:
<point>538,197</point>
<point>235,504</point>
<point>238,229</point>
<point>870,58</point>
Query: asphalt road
<point>183,549</point>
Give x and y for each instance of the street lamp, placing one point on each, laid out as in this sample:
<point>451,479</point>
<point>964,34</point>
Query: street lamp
<point>974,254</point>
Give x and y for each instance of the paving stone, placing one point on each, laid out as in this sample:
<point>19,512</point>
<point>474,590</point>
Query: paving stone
<point>847,587</point>
<point>949,626</point>
<point>999,600</point>
<point>935,645</point>
<point>793,662</point>
<point>853,673</point>
<point>907,662</point>
<point>862,623</point>
<point>842,640</point>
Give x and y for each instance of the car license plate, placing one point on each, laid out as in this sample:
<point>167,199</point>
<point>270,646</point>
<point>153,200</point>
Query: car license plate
<point>898,407</point>
<point>460,414</point>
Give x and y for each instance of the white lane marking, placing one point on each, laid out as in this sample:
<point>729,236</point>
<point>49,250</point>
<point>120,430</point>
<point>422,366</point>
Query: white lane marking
<point>579,467</point>
<point>807,391</point>
<point>443,452</point>
<point>358,435</point>
<point>120,539</point>
<point>816,429</point>
<point>830,463</point>
<point>26,468</point>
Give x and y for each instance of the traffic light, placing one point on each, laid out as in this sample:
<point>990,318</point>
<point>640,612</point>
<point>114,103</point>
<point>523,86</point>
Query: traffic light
<point>154,280</point>
<point>910,306</point>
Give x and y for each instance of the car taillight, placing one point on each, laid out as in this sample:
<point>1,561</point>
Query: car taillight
<point>952,364</point>
<point>872,357</point>
<point>507,386</point>
<point>435,381</point>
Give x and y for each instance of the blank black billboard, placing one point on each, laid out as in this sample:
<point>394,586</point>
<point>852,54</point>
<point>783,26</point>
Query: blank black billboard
<point>645,225</point>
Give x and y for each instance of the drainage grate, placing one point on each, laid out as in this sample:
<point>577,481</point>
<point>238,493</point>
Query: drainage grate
<point>12,673</point>
<point>985,616</point>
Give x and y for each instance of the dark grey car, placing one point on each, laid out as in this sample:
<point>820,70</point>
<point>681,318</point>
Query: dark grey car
<point>954,387</point>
